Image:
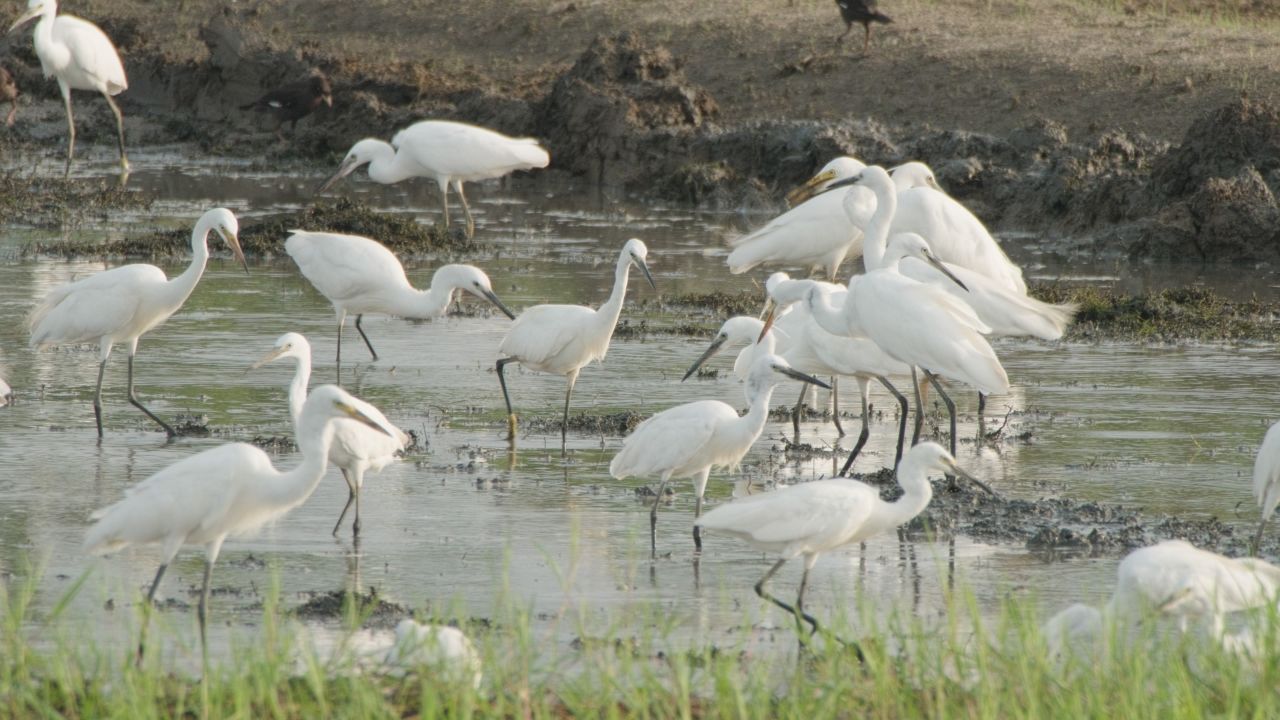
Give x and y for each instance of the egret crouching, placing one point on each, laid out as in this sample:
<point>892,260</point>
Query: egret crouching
<point>80,57</point>
<point>562,339</point>
<point>689,440</point>
<point>816,517</point>
<point>228,490</point>
<point>355,448</point>
<point>450,152</point>
<point>359,276</point>
<point>121,304</point>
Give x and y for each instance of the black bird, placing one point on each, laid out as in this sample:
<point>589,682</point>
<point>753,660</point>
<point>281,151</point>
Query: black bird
<point>8,91</point>
<point>861,11</point>
<point>294,101</point>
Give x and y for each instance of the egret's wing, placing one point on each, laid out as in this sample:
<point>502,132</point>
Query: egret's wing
<point>88,309</point>
<point>359,441</point>
<point>543,332</point>
<point>820,509</point>
<point>467,152</point>
<point>92,51</point>
<point>1266,473</point>
<point>670,439</point>
<point>1005,311</point>
<point>804,235</point>
<point>955,235</point>
<point>342,267</point>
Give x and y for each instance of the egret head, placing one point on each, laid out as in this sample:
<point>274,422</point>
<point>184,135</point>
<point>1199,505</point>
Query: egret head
<point>471,279</point>
<point>740,330</point>
<point>35,8</point>
<point>913,175</point>
<point>331,401</point>
<point>841,168</point>
<point>904,245</point>
<point>363,152</point>
<point>636,251</point>
<point>288,345</point>
<point>930,456</point>
<point>223,222</point>
<point>768,370</point>
<point>873,177</point>
<point>1074,633</point>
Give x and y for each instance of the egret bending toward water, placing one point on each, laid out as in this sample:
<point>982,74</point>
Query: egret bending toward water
<point>562,339</point>
<point>817,233</point>
<point>228,490</point>
<point>80,57</point>
<point>443,649</point>
<point>689,440</point>
<point>121,304</point>
<point>356,448</point>
<point>1266,479</point>
<point>816,517</point>
<point>449,152</point>
<point>359,276</point>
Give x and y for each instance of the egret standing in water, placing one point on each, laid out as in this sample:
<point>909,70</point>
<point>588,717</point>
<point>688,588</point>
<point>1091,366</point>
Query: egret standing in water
<point>356,447</point>
<point>228,490</point>
<point>121,304</point>
<point>1266,479</point>
<point>450,152</point>
<point>80,57</point>
<point>562,339</point>
<point>689,440</point>
<point>359,276</point>
<point>816,517</point>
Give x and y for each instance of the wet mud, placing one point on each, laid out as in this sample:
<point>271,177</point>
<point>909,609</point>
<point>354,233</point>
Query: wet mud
<point>335,605</point>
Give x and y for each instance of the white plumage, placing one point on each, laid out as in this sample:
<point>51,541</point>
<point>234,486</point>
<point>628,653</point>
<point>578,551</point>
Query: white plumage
<point>1266,479</point>
<point>356,447</point>
<point>444,650</point>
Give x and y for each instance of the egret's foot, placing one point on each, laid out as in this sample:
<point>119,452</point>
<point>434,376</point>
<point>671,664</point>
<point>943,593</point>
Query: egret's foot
<point>511,426</point>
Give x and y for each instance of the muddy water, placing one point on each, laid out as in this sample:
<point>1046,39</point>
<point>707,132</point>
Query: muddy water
<point>464,522</point>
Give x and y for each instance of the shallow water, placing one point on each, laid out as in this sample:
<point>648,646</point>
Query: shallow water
<point>1172,429</point>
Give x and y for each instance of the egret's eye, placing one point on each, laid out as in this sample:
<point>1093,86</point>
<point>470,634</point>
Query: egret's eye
<point>476,283</point>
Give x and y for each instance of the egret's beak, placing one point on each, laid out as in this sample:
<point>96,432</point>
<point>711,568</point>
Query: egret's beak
<point>644,268</point>
<point>269,357</point>
<point>802,377</point>
<point>961,473</point>
<point>349,163</point>
<point>810,188</point>
<point>28,16</point>
<point>934,261</point>
<point>234,243</point>
<point>771,310</point>
<point>487,294</point>
<point>843,182</point>
<point>355,414</point>
<point>705,356</point>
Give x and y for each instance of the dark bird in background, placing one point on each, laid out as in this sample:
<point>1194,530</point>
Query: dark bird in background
<point>860,11</point>
<point>294,101</point>
<point>8,91</point>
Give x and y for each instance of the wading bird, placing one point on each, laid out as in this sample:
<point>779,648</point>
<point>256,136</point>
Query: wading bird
<point>562,339</point>
<point>689,440</point>
<point>443,649</point>
<point>122,304</point>
<point>1266,480</point>
<point>450,152</point>
<point>291,102</point>
<point>359,276</point>
<point>816,517</point>
<point>355,448</point>
<point>860,11</point>
<point>228,490</point>
<point>6,393</point>
<point>80,57</point>
<point>9,94</point>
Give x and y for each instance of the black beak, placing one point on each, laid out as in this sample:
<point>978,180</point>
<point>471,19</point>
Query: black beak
<point>710,352</point>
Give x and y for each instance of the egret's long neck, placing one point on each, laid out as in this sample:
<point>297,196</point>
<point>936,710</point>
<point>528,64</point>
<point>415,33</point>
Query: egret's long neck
<point>298,389</point>
<point>877,234</point>
<point>53,56</point>
<point>291,489</point>
<point>828,316</point>
<point>179,288</point>
<point>753,422</point>
<point>917,492</point>
<point>612,308</point>
<point>390,166</point>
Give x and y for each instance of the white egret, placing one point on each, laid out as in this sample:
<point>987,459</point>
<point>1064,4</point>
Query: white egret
<point>816,233</point>
<point>689,440</point>
<point>228,490</point>
<point>449,152</point>
<point>445,650</point>
<point>359,275</point>
<point>6,393</point>
<point>1266,479</point>
<point>121,304</point>
<point>80,57</point>
<point>355,448</point>
<point>562,339</point>
<point>816,517</point>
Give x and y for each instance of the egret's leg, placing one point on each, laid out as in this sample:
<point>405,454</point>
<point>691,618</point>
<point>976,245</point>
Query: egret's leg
<point>352,494</point>
<point>564,421</point>
<point>133,400</point>
<point>146,612</point>
<point>653,515</point>
<point>862,436</point>
<point>700,489</point>
<point>471,223</point>
<point>367,344</point>
<point>97,397</point>
<point>1257,539</point>
<point>915,385</point>
<point>342,319</point>
<point>804,583</point>
<point>902,419</point>
<point>835,405</point>
<point>71,128</point>
<point>115,109</point>
<point>355,524</point>
<point>982,420</point>
<point>202,611</point>
<point>444,202</point>
<point>798,409</point>
<point>511,414</point>
<point>951,410</point>
<point>766,596</point>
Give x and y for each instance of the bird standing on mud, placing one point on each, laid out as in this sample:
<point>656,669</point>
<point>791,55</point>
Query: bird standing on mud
<point>81,57</point>
<point>294,101</point>
<point>8,93</point>
<point>450,152</point>
<point>860,11</point>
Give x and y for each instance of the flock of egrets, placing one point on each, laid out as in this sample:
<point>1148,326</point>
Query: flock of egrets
<point>936,286</point>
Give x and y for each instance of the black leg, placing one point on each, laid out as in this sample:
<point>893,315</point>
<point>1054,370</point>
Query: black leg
<point>951,410</point>
<point>902,418</point>
<point>511,415</point>
<point>653,517</point>
<point>862,439</point>
<point>115,109</point>
<point>97,398</point>
<point>798,409</point>
<point>766,596</point>
<point>133,399</point>
<point>71,131</point>
<point>915,385</point>
<point>338,360</point>
<point>835,405</point>
<point>351,497</point>
<point>1257,539</point>
<point>368,344</point>
<point>697,534</point>
<point>564,420</point>
<point>202,611</point>
<point>146,612</point>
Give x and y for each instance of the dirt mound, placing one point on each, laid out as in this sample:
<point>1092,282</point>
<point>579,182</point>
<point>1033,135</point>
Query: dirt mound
<point>1240,135</point>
